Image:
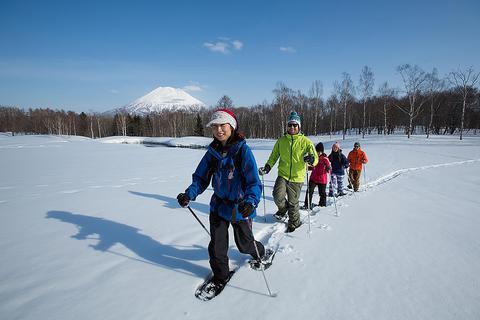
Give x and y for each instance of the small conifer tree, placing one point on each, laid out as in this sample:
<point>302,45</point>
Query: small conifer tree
<point>198,131</point>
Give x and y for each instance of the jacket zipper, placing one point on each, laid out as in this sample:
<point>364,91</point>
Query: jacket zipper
<point>291,160</point>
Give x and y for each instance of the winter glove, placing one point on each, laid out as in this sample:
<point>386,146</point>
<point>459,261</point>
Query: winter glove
<point>183,199</point>
<point>309,159</point>
<point>264,170</point>
<point>245,209</point>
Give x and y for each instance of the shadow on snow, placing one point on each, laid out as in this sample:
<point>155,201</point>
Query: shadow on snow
<point>145,248</point>
<point>172,202</point>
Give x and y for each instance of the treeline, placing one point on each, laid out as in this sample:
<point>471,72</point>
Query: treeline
<point>426,104</point>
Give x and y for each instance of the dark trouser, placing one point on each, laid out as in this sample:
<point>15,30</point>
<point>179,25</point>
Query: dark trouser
<point>321,190</point>
<point>354,178</point>
<point>218,246</point>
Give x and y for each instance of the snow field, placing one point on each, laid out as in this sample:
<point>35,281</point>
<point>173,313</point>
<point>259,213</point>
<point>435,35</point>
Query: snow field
<point>93,230</point>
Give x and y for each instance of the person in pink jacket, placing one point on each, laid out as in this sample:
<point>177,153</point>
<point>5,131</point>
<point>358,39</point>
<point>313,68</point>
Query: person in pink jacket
<point>319,178</point>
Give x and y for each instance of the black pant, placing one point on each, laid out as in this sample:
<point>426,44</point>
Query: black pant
<point>218,246</point>
<point>321,191</point>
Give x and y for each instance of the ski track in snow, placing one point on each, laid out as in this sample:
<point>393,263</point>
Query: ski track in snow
<point>273,234</point>
<point>397,173</point>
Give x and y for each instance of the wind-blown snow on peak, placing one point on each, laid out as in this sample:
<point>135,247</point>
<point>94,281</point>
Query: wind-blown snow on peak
<point>163,98</point>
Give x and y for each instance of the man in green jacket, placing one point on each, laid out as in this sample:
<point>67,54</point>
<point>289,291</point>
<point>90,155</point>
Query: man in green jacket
<point>294,150</point>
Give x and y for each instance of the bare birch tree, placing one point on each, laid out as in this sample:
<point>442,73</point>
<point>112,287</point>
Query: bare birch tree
<point>365,87</point>
<point>434,86</point>
<point>413,78</point>
<point>301,102</point>
<point>283,99</point>
<point>345,92</point>
<point>464,81</point>
<point>386,94</point>
<point>316,92</point>
<point>122,117</point>
<point>332,105</point>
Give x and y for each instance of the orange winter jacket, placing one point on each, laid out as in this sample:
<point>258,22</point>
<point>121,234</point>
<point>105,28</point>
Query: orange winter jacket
<point>357,158</point>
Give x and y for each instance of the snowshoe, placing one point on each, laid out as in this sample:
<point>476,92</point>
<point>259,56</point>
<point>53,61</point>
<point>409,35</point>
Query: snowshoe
<point>305,207</point>
<point>209,289</point>
<point>280,217</point>
<point>315,210</point>
<point>292,228</point>
<point>265,262</point>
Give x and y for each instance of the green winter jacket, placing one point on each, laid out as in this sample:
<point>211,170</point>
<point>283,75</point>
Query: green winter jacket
<point>291,149</point>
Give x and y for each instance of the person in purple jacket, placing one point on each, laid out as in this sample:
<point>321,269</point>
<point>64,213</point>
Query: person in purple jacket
<point>339,164</point>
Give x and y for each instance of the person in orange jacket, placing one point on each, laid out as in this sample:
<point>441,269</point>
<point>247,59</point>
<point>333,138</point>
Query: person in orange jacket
<point>357,158</point>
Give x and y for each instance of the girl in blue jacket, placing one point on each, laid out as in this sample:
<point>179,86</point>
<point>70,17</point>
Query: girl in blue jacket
<point>230,165</point>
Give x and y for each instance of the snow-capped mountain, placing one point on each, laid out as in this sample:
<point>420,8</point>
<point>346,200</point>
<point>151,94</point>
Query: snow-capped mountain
<point>163,98</point>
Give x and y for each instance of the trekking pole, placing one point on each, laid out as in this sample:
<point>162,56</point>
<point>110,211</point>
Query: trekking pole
<point>263,192</point>
<point>258,255</point>
<point>198,219</point>
<point>308,201</point>
<point>335,202</point>
<point>334,197</point>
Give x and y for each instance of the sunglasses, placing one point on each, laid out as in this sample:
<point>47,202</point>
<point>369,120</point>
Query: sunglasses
<point>293,125</point>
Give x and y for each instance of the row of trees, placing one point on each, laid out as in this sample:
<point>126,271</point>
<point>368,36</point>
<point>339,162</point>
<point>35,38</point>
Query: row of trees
<point>426,103</point>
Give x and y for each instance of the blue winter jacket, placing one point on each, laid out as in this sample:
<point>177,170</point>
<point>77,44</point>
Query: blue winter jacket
<point>339,162</point>
<point>231,185</point>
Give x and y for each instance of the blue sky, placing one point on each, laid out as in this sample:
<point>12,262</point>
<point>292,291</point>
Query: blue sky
<point>98,55</point>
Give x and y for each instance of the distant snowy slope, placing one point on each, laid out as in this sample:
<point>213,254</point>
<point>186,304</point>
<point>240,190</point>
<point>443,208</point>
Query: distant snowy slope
<point>184,142</point>
<point>162,98</point>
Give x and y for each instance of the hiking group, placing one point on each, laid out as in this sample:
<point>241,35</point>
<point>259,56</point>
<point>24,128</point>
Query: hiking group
<point>230,166</point>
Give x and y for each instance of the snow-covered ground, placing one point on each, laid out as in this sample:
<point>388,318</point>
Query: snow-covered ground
<point>92,230</point>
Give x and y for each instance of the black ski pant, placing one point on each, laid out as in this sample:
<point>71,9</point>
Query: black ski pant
<point>218,246</point>
<point>322,192</point>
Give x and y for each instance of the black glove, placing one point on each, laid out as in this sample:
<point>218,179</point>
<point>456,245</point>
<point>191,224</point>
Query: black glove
<point>183,199</point>
<point>309,159</point>
<point>264,170</point>
<point>245,209</point>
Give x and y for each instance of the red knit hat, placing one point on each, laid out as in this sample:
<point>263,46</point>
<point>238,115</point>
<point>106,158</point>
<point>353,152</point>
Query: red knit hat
<point>222,116</point>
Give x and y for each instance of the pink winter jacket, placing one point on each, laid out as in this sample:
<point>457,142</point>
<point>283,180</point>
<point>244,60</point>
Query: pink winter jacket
<point>319,173</point>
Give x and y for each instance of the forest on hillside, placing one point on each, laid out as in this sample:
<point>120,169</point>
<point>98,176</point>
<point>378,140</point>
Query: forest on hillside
<point>426,104</point>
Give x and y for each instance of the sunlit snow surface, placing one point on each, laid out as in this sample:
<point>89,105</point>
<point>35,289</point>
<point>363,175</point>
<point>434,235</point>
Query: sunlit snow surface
<point>92,230</point>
